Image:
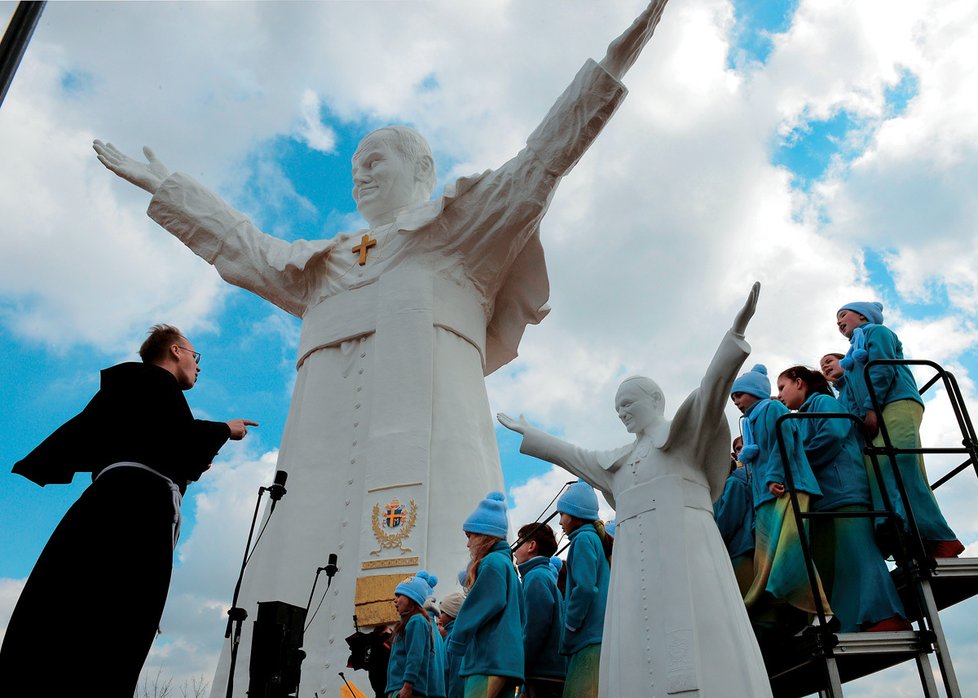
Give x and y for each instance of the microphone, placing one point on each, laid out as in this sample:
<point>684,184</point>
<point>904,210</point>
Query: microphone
<point>277,490</point>
<point>330,568</point>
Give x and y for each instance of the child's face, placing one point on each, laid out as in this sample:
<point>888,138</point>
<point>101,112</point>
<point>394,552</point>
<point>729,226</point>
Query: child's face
<point>569,524</point>
<point>847,321</point>
<point>525,552</point>
<point>791,393</point>
<point>743,401</point>
<point>831,368</point>
<point>402,603</point>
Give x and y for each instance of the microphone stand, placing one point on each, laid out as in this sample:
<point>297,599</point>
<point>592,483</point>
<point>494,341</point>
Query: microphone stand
<point>236,615</point>
<point>330,570</point>
<point>352,693</point>
<point>521,540</point>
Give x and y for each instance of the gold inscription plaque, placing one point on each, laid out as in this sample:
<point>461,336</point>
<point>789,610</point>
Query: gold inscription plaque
<point>374,600</point>
<point>391,562</point>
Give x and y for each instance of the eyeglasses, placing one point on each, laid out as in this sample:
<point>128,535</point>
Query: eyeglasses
<point>195,353</point>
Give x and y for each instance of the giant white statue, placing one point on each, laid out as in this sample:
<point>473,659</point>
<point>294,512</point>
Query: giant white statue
<point>389,440</point>
<point>675,621</point>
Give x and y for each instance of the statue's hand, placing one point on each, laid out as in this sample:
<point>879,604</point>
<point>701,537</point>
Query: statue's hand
<point>624,51</point>
<point>145,175</point>
<point>519,427</point>
<point>747,312</point>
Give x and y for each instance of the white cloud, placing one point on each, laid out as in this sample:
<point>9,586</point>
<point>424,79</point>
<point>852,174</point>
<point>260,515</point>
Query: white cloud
<point>9,593</point>
<point>311,130</point>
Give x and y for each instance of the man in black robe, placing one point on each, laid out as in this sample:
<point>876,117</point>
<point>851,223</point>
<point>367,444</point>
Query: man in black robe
<point>92,604</point>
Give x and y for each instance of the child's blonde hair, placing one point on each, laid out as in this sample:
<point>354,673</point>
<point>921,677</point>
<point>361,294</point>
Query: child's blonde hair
<point>483,544</point>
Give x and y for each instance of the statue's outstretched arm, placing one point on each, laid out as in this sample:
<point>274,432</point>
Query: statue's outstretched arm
<point>625,50</point>
<point>588,465</point>
<point>147,175</point>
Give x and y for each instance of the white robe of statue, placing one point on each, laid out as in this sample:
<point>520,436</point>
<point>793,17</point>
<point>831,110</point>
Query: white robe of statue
<point>675,621</point>
<point>390,400</point>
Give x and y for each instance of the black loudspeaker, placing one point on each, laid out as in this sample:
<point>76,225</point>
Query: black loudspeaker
<point>276,653</point>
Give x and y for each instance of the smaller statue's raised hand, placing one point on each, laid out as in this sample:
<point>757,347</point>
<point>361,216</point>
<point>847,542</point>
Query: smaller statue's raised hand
<point>518,426</point>
<point>747,312</point>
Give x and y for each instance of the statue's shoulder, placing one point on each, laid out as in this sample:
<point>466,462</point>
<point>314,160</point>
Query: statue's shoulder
<point>462,185</point>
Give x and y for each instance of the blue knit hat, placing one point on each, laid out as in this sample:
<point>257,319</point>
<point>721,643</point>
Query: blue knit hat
<point>755,382</point>
<point>579,501</point>
<point>871,310</point>
<point>610,526</point>
<point>555,564</point>
<point>489,518</point>
<point>417,588</point>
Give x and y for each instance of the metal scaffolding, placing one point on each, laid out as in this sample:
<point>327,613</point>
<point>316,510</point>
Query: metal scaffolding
<point>819,659</point>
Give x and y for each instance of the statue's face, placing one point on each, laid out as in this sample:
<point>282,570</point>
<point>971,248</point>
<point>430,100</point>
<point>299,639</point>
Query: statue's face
<point>636,409</point>
<point>384,180</point>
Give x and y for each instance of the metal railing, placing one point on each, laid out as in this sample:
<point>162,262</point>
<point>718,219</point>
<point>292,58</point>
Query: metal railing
<point>909,553</point>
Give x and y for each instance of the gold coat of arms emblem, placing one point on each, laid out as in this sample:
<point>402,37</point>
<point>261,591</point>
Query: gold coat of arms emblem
<point>392,524</point>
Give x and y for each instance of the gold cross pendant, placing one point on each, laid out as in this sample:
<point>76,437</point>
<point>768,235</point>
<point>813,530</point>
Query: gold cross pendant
<point>365,244</point>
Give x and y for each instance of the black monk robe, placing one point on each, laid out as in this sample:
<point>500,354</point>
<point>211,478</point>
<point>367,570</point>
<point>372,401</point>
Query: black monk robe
<point>92,604</point>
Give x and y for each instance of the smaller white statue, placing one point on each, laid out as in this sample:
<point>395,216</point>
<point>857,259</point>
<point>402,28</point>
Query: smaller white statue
<point>675,621</point>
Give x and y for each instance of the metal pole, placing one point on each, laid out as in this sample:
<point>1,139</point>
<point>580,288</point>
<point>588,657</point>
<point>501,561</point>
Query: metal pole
<point>15,41</point>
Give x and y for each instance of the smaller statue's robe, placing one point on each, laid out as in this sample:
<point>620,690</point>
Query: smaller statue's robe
<point>675,621</point>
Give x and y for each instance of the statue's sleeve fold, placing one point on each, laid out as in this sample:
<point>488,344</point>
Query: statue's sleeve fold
<point>576,118</point>
<point>243,255</point>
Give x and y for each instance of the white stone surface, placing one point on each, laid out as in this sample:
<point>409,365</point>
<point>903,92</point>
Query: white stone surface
<point>675,621</point>
<point>390,399</point>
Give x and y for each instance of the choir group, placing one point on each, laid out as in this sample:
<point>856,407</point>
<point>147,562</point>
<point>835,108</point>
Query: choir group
<point>531,625</point>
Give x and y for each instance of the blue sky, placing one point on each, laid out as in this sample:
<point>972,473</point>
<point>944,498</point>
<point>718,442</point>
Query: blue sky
<point>825,149</point>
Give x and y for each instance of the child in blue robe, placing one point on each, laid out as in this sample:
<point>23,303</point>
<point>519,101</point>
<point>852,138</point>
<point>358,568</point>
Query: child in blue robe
<point>780,575</point>
<point>849,563</point>
<point>734,514</point>
<point>450,607</point>
<point>586,592</point>
<point>488,633</point>
<point>417,662</point>
<point>545,666</point>
<point>902,411</point>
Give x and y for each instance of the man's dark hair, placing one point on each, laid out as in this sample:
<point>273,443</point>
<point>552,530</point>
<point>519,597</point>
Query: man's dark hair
<point>159,341</point>
<point>542,535</point>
